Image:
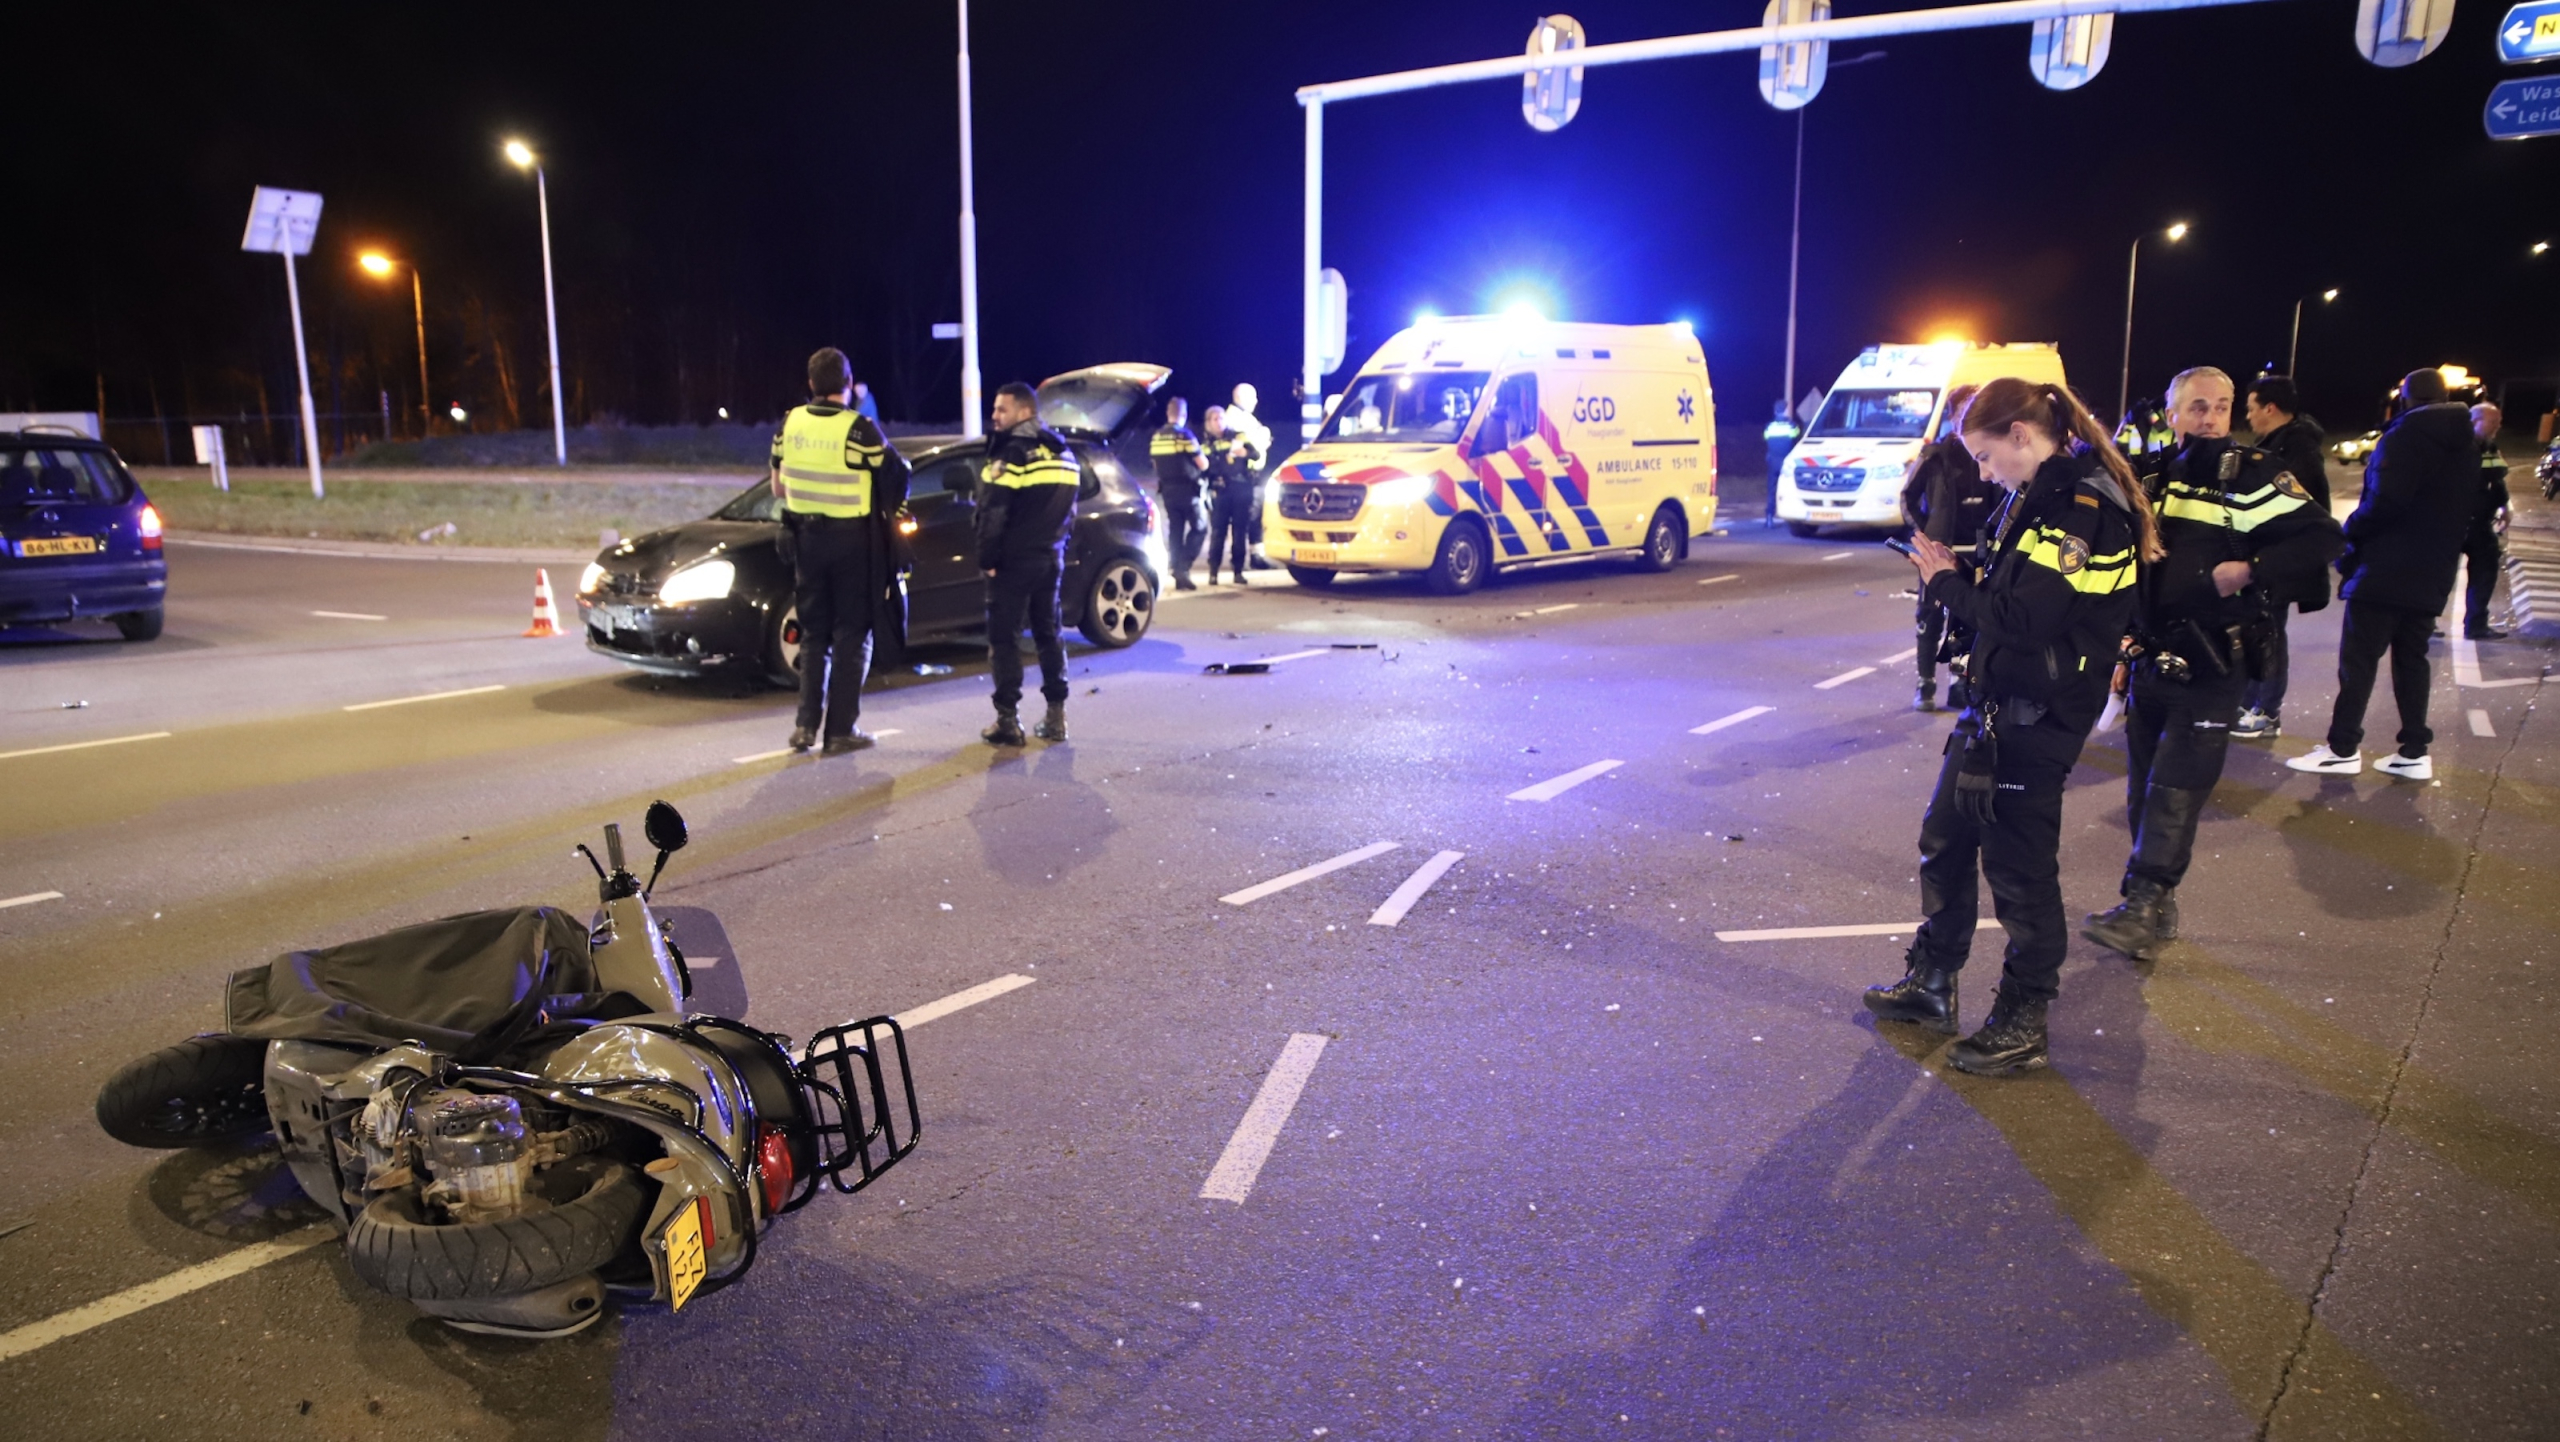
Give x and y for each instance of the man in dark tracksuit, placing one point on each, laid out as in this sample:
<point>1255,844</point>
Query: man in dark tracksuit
<point>2482,551</point>
<point>2241,533</point>
<point>2420,488</point>
<point>1178,461</point>
<point>1946,499</point>
<point>2275,417</point>
<point>840,485</point>
<point>2054,592</point>
<point>1025,509</point>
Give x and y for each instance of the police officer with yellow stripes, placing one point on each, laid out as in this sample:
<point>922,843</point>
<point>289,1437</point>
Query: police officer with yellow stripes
<point>2057,567</point>
<point>841,487</point>
<point>1179,462</point>
<point>2242,535</point>
<point>1025,510</point>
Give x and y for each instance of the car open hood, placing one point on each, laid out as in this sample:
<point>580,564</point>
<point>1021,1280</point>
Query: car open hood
<point>1100,402</point>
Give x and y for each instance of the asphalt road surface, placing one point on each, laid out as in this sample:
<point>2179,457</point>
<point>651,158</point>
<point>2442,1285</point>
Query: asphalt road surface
<point>1592,1141</point>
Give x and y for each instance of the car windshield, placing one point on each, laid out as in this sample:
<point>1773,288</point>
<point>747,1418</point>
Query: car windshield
<point>1426,409</point>
<point>1874,415</point>
<point>32,476</point>
<point>755,503</point>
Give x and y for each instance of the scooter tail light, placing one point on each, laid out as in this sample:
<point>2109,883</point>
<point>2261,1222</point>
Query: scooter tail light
<point>773,1161</point>
<point>151,528</point>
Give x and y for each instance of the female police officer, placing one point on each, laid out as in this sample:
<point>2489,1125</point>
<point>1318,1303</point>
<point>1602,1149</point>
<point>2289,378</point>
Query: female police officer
<point>2056,592</point>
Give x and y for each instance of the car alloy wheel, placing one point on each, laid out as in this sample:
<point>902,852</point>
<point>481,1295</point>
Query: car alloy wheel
<point>782,655</point>
<point>1121,604</point>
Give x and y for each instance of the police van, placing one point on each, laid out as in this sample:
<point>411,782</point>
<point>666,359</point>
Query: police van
<point>1474,444</point>
<point>1848,468</point>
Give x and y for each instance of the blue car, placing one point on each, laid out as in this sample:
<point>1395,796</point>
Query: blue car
<point>77,536</point>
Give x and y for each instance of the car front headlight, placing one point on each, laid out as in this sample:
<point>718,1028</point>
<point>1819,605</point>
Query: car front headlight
<point>1401,491</point>
<point>590,578</point>
<point>708,581</point>
<point>1891,472</point>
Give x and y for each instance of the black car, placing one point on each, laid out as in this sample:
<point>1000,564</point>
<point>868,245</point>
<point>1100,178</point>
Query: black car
<point>77,536</point>
<point>715,594</point>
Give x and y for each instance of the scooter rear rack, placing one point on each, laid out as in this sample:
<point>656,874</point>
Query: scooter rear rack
<point>860,1129</point>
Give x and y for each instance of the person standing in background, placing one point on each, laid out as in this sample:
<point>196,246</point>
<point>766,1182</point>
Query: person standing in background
<point>2276,419</point>
<point>1179,464</point>
<point>1025,509</point>
<point>862,402</point>
<point>1233,465</point>
<point>1246,426</point>
<point>1779,437</point>
<point>2420,490</point>
<point>2483,550</point>
<point>837,480</point>
<point>1945,498</point>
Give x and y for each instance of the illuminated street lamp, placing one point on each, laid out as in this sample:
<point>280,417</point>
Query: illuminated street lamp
<point>381,267</point>
<point>524,159</point>
<point>2293,352</point>
<point>2540,246</point>
<point>2133,265</point>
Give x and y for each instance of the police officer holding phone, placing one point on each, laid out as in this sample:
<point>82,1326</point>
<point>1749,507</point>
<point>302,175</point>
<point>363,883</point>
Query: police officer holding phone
<point>840,485</point>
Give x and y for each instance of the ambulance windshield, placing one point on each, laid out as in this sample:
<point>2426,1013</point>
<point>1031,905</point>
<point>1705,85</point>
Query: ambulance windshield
<point>1427,409</point>
<point>1874,415</point>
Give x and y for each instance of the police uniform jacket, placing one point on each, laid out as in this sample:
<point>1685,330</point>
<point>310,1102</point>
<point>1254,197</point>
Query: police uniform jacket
<point>1027,501</point>
<point>2305,452</point>
<point>2220,502</point>
<point>2493,487</point>
<point>1235,464</point>
<point>2056,593</point>
<point>1176,452</point>
<point>834,486</point>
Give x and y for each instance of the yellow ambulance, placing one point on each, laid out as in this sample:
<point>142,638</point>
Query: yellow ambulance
<point>1848,468</point>
<point>1480,443</point>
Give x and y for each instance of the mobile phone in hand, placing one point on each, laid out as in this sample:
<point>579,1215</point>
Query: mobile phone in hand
<point>1901,545</point>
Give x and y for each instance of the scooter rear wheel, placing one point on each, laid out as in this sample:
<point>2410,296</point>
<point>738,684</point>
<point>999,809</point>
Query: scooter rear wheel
<point>204,1089</point>
<point>595,1212</point>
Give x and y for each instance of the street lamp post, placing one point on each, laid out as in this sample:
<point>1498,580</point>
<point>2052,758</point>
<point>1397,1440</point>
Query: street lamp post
<point>2293,351</point>
<point>1795,235</point>
<point>379,265</point>
<point>2132,266</point>
<point>525,159</point>
<point>970,424</point>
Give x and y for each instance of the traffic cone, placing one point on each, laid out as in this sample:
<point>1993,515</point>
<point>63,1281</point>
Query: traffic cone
<point>546,612</point>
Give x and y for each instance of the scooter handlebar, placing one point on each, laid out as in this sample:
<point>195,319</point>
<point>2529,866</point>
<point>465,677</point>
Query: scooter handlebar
<point>613,846</point>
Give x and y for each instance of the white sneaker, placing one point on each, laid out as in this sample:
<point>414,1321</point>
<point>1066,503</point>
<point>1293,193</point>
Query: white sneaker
<point>2408,768</point>
<point>2325,762</point>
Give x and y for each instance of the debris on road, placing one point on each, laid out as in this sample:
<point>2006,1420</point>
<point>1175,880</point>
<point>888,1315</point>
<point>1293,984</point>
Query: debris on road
<point>1236,668</point>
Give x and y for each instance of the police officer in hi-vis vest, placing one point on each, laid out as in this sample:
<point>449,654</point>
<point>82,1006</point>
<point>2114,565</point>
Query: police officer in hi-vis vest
<point>842,487</point>
<point>1025,510</point>
<point>1179,462</point>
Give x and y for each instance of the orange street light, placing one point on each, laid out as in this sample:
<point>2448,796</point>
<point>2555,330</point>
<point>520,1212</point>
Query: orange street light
<point>381,266</point>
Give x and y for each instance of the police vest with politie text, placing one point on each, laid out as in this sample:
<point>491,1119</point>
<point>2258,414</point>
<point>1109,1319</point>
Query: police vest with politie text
<point>828,456</point>
<point>2216,502</point>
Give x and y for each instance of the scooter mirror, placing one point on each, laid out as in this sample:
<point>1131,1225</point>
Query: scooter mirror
<point>664,826</point>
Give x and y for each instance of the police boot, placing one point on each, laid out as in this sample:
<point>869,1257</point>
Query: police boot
<point>1925,997</point>
<point>1926,698</point>
<point>1006,732</point>
<point>2011,1040</point>
<point>1053,726</point>
<point>2133,925</point>
<point>803,737</point>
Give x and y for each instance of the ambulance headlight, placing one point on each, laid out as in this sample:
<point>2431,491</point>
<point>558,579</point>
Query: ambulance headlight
<point>1885,473</point>
<point>1402,491</point>
<point>708,581</point>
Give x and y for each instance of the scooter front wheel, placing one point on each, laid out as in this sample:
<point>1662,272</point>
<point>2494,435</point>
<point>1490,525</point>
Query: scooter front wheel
<point>204,1089</point>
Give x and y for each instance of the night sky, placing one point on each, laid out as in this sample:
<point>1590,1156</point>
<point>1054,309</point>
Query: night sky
<point>733,186</point>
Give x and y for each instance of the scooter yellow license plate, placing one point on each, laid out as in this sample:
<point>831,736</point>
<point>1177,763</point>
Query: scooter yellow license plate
<point>688,1244</point>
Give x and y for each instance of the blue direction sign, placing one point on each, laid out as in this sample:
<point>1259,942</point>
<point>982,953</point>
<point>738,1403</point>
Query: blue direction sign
<point>2520,108</point>
<point>2530,32</point>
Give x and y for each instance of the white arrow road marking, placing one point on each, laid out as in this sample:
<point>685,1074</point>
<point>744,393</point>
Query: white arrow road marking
<point>1550,790</point>
<point>177,1284</point>
<point>1306,873</point>
<point>1736,719</point>
<point>1233,1177</point>
<point>2479,727</point>
<point>1414,887</point>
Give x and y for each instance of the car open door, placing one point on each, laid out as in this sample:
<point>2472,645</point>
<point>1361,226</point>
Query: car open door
<point>947,591</point>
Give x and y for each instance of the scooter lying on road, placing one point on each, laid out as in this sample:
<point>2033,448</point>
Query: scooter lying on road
<point>512,1116</point>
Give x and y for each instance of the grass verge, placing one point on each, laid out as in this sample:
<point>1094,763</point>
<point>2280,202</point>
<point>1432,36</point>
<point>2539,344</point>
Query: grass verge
<point>509,513</point>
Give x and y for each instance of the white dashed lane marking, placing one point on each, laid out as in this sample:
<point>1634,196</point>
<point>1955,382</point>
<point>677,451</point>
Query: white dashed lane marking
<point>430,696</point>
<point>82,745</point>
<point>1908,650</point>
<point>1844,678</point>
<point>786,751</point>
<point>30,899</point>
<point>1550,790</point>
<point>1817,933</point>
<point>957,1001</point>
<point>1837,556</point>
<point>1414,886</point>
<point>350,616</point>
<point>1231,1180</point>
<point>1306,873</point>
<point>1736,719</point>
<point>1719,580</point>
<point>1297,656</point>
<point>2479,727</point>
<point>177,1284</point>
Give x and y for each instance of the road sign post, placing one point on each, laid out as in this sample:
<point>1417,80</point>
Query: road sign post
<point>2522,109</point>
<point>2530,33</point>
<point>283,222</point>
